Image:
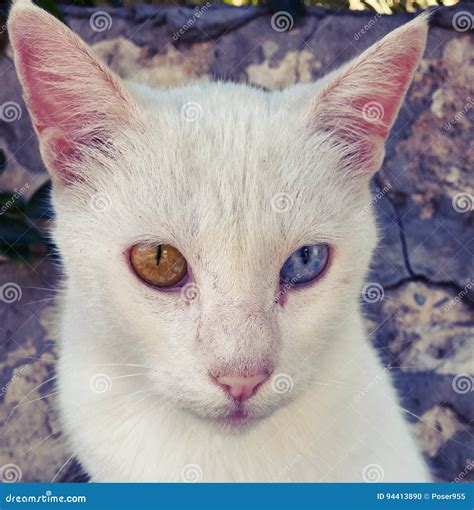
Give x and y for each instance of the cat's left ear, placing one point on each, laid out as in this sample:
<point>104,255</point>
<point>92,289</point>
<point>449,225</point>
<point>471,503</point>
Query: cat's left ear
<point>76,103</point>
<point>359,103</point>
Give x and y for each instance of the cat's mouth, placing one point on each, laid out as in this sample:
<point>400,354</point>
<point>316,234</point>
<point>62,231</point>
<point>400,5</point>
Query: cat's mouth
<point>239,418</point>
<point>236,420</point>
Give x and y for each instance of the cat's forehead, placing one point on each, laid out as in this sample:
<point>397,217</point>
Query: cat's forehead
<point>238,170</point>
<point>230,141</point>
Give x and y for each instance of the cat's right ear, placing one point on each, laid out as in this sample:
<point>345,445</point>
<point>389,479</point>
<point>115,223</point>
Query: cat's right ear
<point>359,103</point>
<point>75,101</point>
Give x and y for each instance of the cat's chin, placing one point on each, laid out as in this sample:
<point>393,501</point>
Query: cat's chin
<point>235,424</point>
<point>237,420</point>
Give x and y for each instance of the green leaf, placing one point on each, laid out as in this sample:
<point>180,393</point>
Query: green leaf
<point>19,253</point>
<point>18,232</point>
<point>9,204</point>
<point>52,7</point>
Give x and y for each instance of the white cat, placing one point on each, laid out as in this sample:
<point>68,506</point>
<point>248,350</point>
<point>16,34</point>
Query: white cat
<point>214,257</point>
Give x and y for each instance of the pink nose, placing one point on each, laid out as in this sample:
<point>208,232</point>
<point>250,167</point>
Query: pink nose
<point>241,388</point>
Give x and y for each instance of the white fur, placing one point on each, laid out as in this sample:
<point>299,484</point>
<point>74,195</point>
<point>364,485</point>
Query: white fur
<point>207,187</point>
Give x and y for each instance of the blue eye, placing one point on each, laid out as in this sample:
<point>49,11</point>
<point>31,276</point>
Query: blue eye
<point>305,264</point>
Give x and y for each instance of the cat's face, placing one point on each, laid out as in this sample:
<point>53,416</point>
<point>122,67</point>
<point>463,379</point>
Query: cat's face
<point>237,190</point>
<point>236,199</point>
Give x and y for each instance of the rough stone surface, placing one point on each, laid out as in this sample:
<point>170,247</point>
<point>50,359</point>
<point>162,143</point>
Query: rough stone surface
<point>420,297</point>
<point>30,435</point>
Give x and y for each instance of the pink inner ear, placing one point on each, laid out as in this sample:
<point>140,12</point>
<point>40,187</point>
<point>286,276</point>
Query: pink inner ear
<point>360,105</point>
<point>379,111</point>
<point>74,100</point>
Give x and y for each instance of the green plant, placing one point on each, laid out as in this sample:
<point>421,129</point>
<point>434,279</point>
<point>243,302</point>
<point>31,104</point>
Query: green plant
<point>24,224</point>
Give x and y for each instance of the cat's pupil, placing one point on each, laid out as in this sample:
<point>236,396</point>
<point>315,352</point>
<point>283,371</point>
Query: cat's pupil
<point>305,254</point>
<point>158,254</point>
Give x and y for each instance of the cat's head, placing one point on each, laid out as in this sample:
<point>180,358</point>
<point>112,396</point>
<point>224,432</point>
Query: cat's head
<point>212,233</point>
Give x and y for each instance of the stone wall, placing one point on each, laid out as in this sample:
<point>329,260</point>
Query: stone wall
<point>420,294</point>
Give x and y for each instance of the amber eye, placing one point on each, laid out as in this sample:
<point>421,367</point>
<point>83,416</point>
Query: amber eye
<point>160,265</point>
